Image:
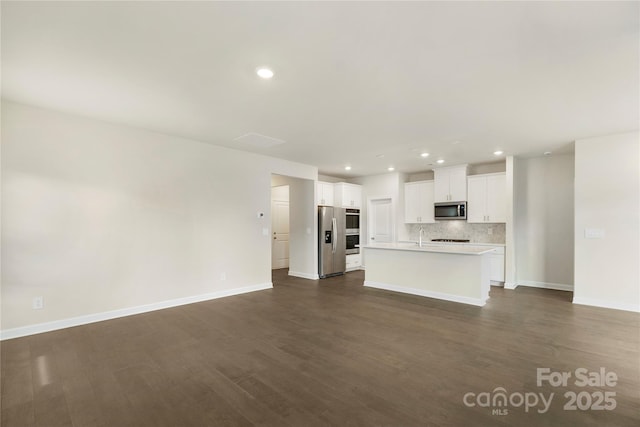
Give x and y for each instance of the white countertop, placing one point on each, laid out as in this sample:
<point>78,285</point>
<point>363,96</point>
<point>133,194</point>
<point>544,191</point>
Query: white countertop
<point>497,245</point>
<point>446,248</point>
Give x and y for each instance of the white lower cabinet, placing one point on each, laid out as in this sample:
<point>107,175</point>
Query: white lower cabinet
<point>354,261</point>
<point>496,261</point>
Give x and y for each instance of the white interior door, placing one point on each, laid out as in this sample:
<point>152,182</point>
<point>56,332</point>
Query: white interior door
<point>380,220</point>
<point>280,229</point>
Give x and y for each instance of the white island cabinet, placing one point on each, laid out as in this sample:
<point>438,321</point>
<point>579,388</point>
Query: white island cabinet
<point>459,273</point>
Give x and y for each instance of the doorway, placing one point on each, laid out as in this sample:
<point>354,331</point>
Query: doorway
<point>381,220</point>
<point>280,227</point>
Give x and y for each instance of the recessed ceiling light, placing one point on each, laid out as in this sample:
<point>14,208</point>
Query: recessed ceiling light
<point>497,153</point>
<point>391,168</point>
<point>265,73</point>
<point>440,161</point>
<point>424,155</point>
<point>347,168</point>
<point>547,153</point>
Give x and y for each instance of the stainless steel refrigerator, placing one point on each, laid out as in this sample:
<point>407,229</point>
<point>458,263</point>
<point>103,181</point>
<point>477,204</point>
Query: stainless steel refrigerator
<point>331,241</point>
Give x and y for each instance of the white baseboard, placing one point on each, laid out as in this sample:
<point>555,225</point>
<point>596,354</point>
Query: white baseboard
<point>114,314</point>
<point>546,285</point>
<point>510,285</point>
<point>607,304</point>
<point>304,275</point>
<point>429,294</point>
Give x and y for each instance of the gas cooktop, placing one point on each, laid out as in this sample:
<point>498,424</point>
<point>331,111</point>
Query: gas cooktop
<point>451,240</point>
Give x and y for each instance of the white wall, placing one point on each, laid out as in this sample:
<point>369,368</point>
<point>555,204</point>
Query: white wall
<point>543,221</point>
<point>477,169</point>
<point>99,217</point>
<point>607,270</point>
<point>379,186</point>
<point>327,178</point>
<point>302,225</point>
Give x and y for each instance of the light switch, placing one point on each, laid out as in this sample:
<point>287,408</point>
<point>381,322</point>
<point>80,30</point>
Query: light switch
<point>265,231</point>
<point>594,233</point>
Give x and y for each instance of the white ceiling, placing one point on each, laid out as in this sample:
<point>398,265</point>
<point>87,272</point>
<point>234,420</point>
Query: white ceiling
<point>352,80</point>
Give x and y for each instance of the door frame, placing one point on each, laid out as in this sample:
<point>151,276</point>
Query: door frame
<point>372,199</point>
<point>287,200</point>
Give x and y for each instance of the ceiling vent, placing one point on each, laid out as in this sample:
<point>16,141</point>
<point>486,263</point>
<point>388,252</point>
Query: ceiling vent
<point>258,141</point>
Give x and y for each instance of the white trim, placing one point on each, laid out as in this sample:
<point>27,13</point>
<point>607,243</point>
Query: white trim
<point>429,294</point>
<point>394,231</point>
<point>607,304</point>
<point>510,285</point>
<point>546,285</point>
<point>114,314</point>
<point>309,276</point>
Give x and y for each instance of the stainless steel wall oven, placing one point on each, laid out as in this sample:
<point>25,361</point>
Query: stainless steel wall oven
<point>352,241</point>
<point>352,221</point>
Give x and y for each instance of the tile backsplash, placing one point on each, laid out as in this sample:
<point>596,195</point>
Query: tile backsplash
<point>454,229</point>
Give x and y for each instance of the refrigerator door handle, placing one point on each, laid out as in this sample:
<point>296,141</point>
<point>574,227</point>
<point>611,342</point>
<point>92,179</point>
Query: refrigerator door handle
<point>334,227</point>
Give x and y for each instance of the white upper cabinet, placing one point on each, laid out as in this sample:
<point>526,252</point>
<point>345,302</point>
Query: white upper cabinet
<point>324,193</point>
<point>418,202</point>
<point>348,195</point>
<point>487,198</point>
<point>477,199</point>
<point>450,184</point>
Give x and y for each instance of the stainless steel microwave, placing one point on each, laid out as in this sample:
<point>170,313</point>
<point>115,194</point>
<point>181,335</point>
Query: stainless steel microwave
<point>451,210</point>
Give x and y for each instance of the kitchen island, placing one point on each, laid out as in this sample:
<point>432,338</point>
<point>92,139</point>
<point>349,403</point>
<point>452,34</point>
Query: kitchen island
<point>458,273</point>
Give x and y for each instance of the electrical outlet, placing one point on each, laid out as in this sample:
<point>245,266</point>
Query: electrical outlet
<point>489,231</point>
<point>37,303</point>
<point>223,276</point>
<point>593,233</point>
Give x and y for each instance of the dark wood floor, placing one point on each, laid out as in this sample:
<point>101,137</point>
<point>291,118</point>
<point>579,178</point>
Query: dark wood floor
<point>329,353</point>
